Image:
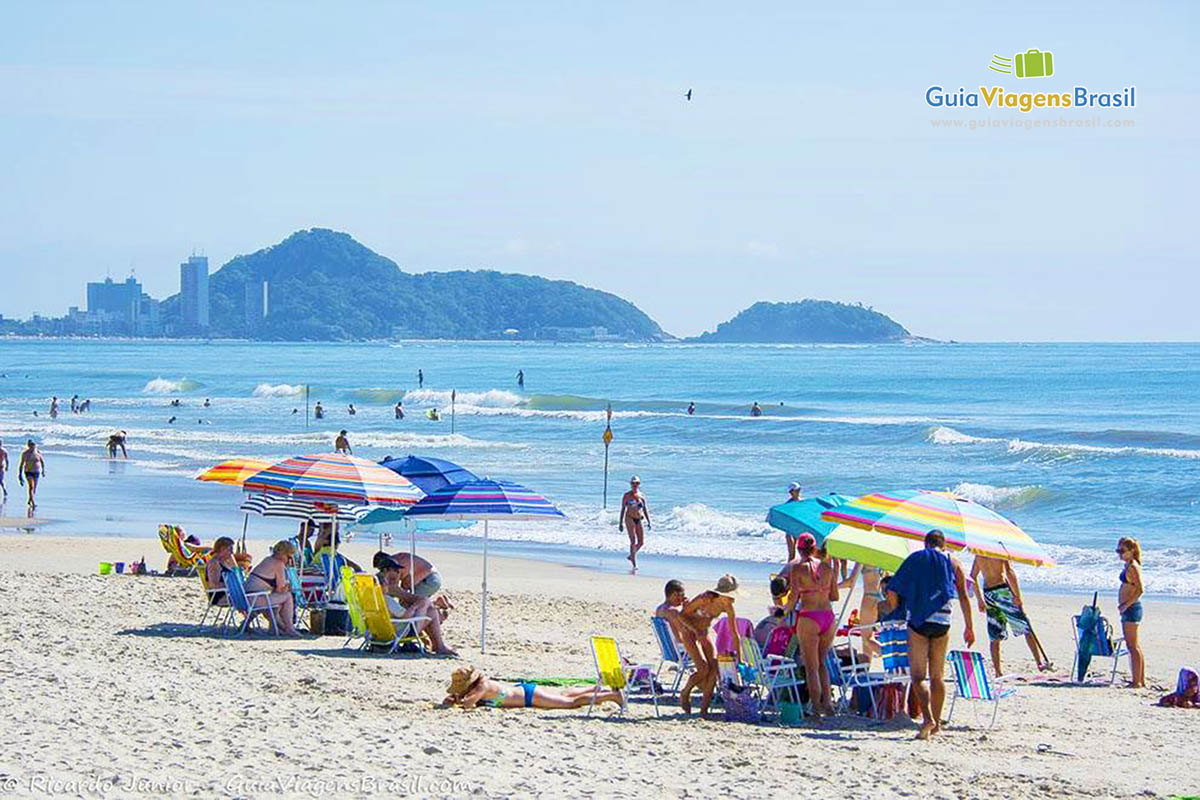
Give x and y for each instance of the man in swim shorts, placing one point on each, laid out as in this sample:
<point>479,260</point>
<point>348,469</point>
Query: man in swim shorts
<point>927,582</point>
<point>999,596</point>
<point>30,470</point>
<point>634,510</point>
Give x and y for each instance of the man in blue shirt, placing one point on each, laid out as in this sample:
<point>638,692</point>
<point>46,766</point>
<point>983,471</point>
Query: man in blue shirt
<point>926,583</point>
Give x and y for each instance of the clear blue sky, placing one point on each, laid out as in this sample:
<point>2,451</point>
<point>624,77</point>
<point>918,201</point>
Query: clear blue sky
<point>553,139</point>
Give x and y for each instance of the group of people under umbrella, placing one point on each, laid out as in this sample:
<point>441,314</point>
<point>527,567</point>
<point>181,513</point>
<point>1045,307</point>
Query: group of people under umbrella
<point>336,488</point>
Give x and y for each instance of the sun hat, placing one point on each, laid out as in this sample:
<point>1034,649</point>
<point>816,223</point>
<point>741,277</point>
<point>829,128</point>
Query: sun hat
<point>462,679</point>
<point>727,586</point>
<point>635,479</point>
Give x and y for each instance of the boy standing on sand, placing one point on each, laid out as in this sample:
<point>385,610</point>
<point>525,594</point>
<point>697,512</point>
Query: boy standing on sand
<point>999,596</point>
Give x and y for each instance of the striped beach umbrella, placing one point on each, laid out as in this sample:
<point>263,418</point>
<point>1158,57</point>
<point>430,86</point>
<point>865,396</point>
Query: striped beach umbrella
<point>484,500</point>
<point>911,513</point>
<point>334,478</point>
<point>233,471</point>
<point>274,505</point>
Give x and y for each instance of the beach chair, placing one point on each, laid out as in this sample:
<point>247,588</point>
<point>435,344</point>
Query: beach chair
<point>1110,648</point>
<point>670,654</point>
<point>971,682</point>
<point>773,674</point>
<point>186,557</point>
<point>218,610</point>
<point>354,609</point>
<point>892,638</point>
<point>305,602</point>
<point>382,629</point>
<point>610,673</point>
<point>250,604</point>
<point>839,679</point>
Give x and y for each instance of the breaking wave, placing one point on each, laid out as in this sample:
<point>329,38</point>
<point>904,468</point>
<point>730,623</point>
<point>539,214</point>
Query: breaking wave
<point>166,386</point>
<point>277,390</point>
<point>943,435</point>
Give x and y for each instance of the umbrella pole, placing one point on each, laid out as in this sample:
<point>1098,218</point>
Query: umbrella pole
<point>483,618</point>
<point>245,522</point>
<point>849,592</point>
<point>412,551</point>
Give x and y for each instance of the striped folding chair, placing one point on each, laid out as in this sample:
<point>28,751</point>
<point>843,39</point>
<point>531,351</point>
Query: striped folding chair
<point>892,638</point>
<point>971,682</point>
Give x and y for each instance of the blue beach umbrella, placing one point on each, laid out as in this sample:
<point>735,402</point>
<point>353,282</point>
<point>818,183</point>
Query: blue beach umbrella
<point>804,516</point>
<point>428,473</point>
<point>484,499</point>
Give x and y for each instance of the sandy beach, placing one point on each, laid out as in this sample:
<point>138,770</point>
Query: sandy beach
<point>112,688</point>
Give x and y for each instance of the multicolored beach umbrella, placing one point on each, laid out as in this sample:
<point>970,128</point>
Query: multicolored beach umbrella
<point>911,513</point>
<point>870,547</point>
<point>485,500</point>
<point>335,478</point>
<point>804,516</point>
<point>233,471</point>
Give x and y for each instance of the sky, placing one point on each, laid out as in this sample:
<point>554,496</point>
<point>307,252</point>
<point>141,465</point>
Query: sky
<point>554,139</point>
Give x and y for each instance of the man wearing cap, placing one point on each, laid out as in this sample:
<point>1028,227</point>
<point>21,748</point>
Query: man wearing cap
<point>405,604</point>
<point>794,496</point>
<point>634,510</point>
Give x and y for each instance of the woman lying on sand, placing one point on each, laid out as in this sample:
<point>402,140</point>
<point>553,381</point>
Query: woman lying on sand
<point>469,687</point>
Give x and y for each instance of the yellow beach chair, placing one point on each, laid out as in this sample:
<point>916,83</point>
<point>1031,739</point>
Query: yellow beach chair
<point>358,623</point>
<point>384,630</point>
<point>185,556</point>
<point>610,673</point>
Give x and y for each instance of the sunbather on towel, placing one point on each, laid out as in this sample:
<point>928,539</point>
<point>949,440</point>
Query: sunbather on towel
<point>403,603</point>
<point>469,687</point>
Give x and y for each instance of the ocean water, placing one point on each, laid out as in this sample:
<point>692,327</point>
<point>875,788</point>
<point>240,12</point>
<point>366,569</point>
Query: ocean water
<point>1077,443</point>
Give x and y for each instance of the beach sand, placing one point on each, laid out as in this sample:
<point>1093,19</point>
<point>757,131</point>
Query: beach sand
<point>110,687</point>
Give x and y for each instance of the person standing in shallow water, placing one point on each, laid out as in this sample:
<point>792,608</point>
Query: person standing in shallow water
<point>634,510</point>
<point>420,379</point>
<point>342,444</point>
<point>30,471</point>
<point>520,379</point>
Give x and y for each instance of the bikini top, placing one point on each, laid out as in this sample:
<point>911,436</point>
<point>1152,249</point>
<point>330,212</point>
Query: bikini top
<point>812,571</point>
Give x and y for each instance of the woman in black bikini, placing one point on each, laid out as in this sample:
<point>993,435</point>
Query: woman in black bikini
<point>633,510</point>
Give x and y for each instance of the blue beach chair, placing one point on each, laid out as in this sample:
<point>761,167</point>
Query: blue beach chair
<point>671,655</point>
<point>250,604</point>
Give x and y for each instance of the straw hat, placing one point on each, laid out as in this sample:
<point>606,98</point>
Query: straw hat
<point>727,586</point>
<point>462,679</point>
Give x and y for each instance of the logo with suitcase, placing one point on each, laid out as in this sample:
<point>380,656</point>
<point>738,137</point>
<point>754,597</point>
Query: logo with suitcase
<point>1032,63</point>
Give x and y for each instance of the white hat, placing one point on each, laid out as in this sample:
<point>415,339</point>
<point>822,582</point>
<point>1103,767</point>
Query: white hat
<point>635,479</point>
<point>793,486</point>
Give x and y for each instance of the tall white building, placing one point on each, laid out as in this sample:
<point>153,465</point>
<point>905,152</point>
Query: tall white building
<point>193,294</point>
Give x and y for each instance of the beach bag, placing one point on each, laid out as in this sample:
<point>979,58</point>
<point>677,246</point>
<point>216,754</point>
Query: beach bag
<point>742,703</point>
<point>777,642</point>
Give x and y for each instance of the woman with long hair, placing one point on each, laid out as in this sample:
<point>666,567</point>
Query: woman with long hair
<point>814,587</point>
<point>1129,603</point>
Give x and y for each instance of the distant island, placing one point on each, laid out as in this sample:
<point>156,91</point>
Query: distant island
<point>805,322</point>
<point>322,285</point>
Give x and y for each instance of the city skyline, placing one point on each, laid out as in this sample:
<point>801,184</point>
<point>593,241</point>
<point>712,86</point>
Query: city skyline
<point>560,143</point>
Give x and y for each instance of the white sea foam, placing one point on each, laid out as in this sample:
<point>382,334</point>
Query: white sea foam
<point>162,385</point>
<point>277,390</point>
<point>492,398</point>
<point>1000,496</point>
<point>944,435</point>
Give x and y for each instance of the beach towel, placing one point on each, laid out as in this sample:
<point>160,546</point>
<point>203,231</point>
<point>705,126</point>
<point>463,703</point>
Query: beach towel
<point>725,640</point>
<point>1187,691</point>
<point>777,642</point>
<point>926,583</point>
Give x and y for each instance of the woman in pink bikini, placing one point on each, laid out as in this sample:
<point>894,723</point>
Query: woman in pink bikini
<point>814,588</point>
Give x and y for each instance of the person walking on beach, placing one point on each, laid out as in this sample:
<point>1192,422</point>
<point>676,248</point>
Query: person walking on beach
<point>420,379</point>
<point>53,408</point>
<point>3,469</point>
<point>1129,603</point>
<point>520,379</point>
<point>30,471</point>
<point>115,441</point>
<point>999,596</point>
<point>342,444</point>
<point>926,583</point>
<point>634,510</point>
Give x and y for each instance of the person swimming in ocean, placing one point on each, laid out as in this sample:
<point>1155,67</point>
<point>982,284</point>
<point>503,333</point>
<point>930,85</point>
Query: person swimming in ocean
<point>207,403</point>
<point>342,444</point>
<point>634,510</point>
<point>433,415</point>
<point>319,411</point>
<point>53,408</point>
<point>420,379</point>
<point>691,409</point>
<point>520,379</point>
<point>350,410</point>
<point>755,409</point>
<point>399,409</point>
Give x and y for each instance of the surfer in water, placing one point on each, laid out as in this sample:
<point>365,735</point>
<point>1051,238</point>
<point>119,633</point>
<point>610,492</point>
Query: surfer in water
<point>634,510</point>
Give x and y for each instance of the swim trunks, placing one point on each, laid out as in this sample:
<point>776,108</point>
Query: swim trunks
<point>1003,613</point>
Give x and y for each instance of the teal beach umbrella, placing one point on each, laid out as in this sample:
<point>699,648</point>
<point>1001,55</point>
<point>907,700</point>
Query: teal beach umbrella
<point>804,516</point>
